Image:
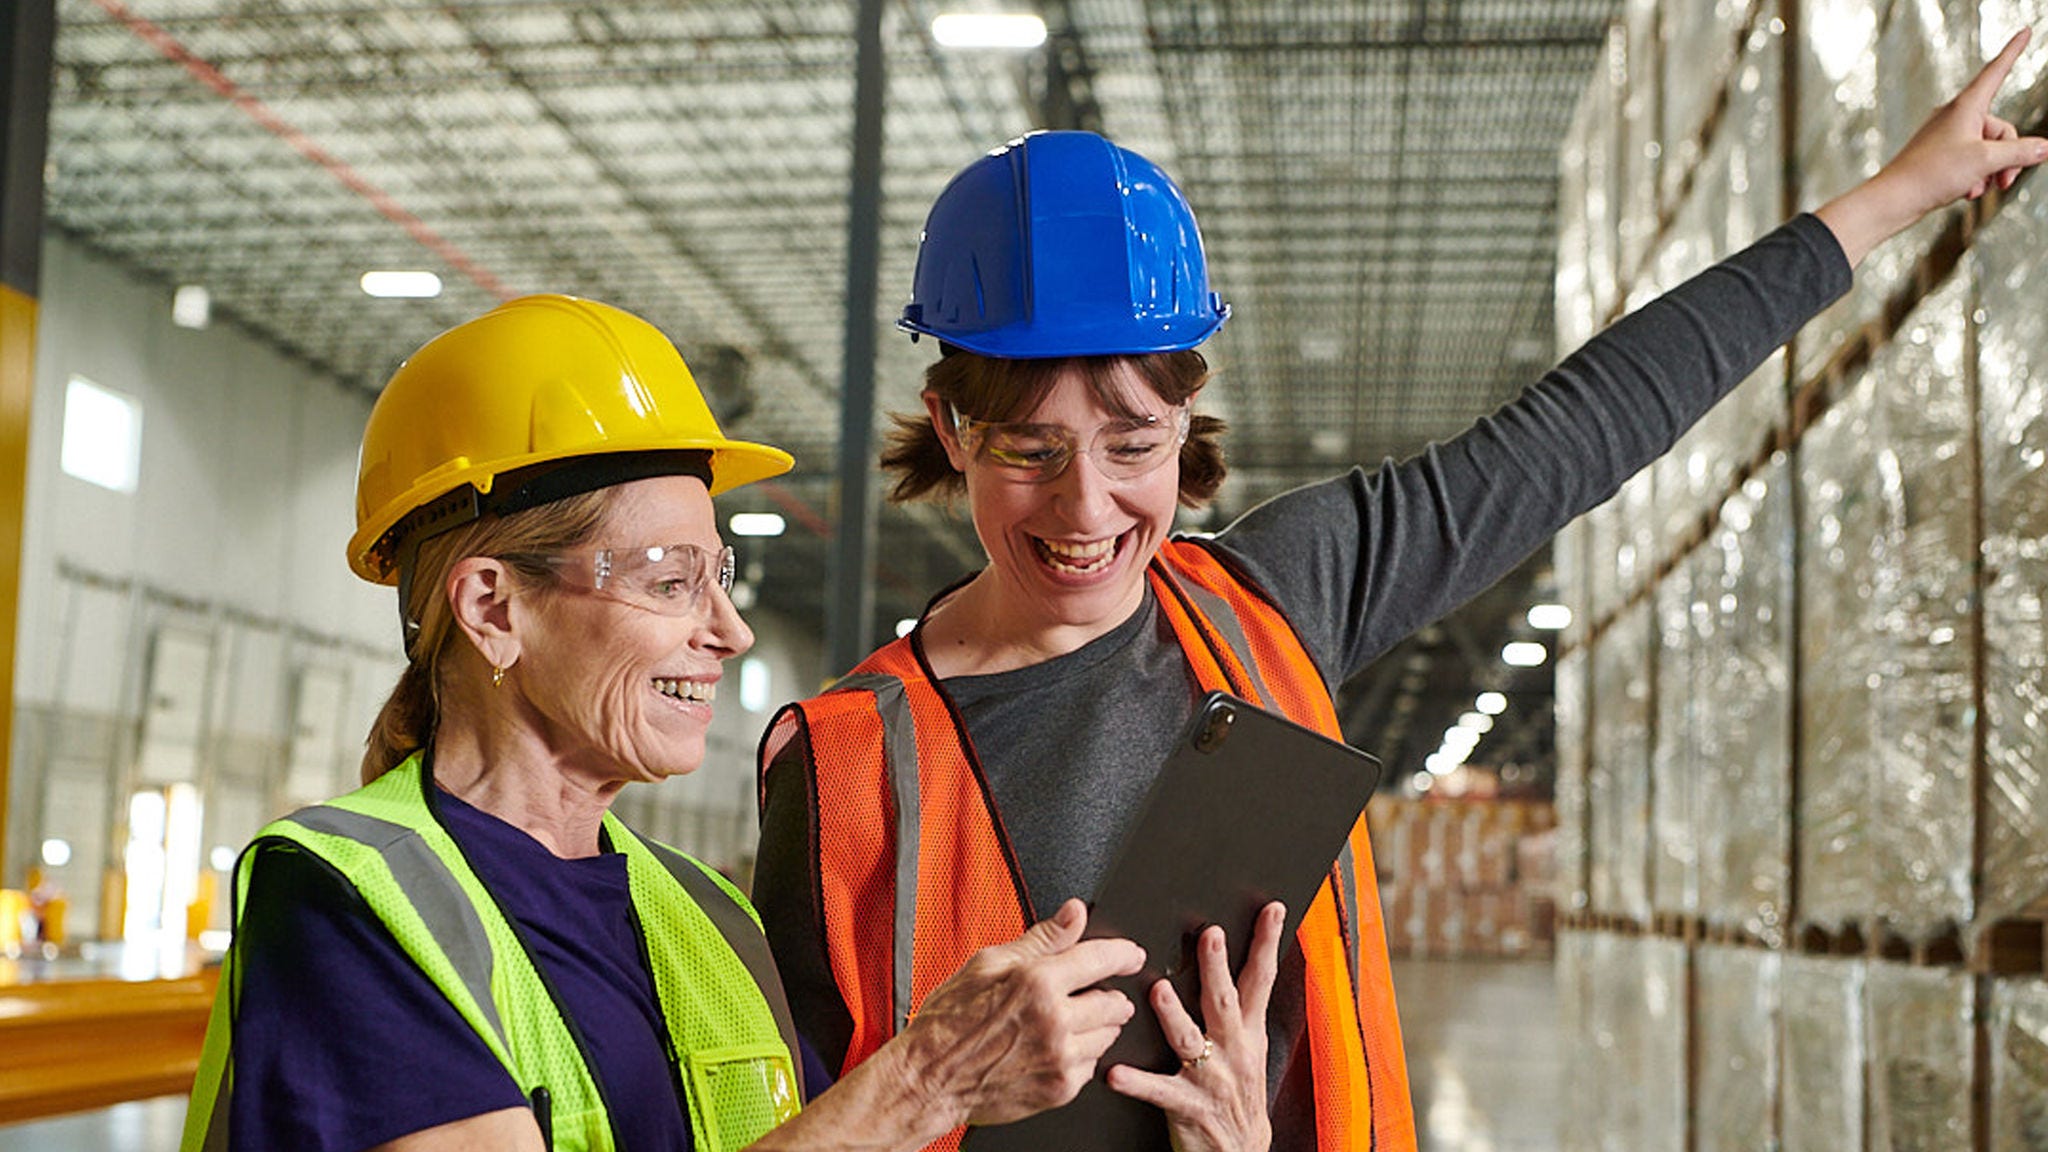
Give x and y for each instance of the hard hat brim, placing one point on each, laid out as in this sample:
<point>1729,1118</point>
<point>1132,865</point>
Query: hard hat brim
<point>734,464</point>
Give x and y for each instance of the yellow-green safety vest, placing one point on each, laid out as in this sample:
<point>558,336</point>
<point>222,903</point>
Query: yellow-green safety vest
<point>730,1035</point>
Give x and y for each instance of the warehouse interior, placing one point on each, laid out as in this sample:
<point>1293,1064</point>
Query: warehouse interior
<point>1747,856</point>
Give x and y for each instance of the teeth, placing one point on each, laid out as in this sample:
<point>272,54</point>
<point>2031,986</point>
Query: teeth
<point>1079,558</point>
<point>700,691</point>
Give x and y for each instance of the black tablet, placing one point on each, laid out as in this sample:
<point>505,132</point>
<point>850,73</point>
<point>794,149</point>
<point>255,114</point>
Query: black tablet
<point>1250,807</point>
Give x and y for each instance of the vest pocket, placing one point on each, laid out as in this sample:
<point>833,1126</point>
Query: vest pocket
<point>740,1092</point>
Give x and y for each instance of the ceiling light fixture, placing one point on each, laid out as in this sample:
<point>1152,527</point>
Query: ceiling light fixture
<point>756,524</point>
<point>394,284</point>
<point>1550,617</point>
<point>1524,654</point>
<point>1013,31</point>
<point>191,307</point>
<point>1491,703</point>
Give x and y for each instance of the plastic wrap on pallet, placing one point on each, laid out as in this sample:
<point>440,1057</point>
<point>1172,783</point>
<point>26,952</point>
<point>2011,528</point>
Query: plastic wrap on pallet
<point>1840,142</point>
<point>1603,541</point>
<point>1736,1004</point>
<point>1618,774</point>
<point>2012,352</point>
<point>1569,709</point>
<point>1699,55</point>
<point>1636,223</point>
<point>1579,1118</point>
<point>1926,710</point>
<point>1821,1042</point>
<point>1601,107</point>
<point>1568,568</point>
<point>1635,555</point>
<point>1839,521</point>
<point>2023,97</point>
<point>1745,801</point>
<point>2019,1066</point>
<point>1921,1048</point>
<point>1751,139</point>
<point>1926,53</point>
<point>1675,762</point>
<point>1630,1080</point>
<point>1578,316</point>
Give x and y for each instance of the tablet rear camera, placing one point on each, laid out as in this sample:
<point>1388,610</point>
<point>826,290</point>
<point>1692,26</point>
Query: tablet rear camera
<point>1215,728</point>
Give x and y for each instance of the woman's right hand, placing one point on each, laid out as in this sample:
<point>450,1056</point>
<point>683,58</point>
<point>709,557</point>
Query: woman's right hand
<point>1019,1028</point>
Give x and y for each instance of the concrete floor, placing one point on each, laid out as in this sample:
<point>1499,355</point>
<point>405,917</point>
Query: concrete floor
<point>1483,1061</point>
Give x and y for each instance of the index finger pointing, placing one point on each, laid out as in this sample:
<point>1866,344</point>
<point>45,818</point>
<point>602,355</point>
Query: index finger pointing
<point>1985,86</point>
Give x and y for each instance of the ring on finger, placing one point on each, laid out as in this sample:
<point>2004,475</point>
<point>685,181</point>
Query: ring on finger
<point>1208,1050</point>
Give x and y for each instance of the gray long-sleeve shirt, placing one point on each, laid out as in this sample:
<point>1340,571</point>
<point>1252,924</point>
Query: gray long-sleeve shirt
<point>1356,563</point>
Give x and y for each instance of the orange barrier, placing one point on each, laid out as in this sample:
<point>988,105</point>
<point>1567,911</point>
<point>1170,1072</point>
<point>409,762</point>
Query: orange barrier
<point>73,1045</point>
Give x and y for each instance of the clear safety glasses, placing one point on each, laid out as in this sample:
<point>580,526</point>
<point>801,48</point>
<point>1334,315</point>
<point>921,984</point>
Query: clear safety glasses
<point>672,579</point>
<point>1035,453</point>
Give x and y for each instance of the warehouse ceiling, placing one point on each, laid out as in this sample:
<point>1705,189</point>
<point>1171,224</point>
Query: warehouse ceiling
<point>1376,182</point>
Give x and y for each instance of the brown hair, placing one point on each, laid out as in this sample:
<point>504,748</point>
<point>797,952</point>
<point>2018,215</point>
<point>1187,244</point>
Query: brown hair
<point>413,711</point>
<point>987,388</point>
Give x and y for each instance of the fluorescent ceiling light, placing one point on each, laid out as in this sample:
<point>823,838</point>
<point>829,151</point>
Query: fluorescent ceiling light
<point>756,524</point>
<point>1478,722</point>
<point>1011,30</point>
<point>191,307</point>
<point>1491,703</point>
<point>401,285</point>
<point>1550,617</point>
<point>1524,654</point>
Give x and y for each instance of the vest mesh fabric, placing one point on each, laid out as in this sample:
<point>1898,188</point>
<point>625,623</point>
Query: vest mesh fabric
<point>740,1076</point>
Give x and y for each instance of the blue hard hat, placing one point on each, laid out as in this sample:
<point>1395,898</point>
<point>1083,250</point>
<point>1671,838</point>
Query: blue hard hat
<point>1062,244</point>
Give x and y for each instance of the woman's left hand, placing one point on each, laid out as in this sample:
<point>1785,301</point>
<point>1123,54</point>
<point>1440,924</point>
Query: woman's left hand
<point>1218,1101</point>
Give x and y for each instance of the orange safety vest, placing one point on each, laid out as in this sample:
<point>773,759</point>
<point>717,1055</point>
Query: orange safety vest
<point>916,872</point>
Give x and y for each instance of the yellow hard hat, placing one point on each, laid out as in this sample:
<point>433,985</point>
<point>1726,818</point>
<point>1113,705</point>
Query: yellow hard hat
<point>536,381</point>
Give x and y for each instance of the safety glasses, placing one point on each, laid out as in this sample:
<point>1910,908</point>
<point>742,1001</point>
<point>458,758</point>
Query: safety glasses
<point>672,579</point>
<point>1122,449</point>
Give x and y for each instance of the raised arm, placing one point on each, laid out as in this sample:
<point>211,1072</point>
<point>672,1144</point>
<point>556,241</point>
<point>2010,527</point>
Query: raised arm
<point>1961,151</point>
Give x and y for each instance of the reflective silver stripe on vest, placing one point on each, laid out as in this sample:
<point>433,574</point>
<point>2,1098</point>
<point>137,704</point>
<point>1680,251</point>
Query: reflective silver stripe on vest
<point>1224,618</point>
<point>1347,871</point>
<point>431,890</point>
<point>899,757</point>
<point>741,934</point>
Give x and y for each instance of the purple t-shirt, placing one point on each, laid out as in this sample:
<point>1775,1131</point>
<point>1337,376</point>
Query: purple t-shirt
<point>342,1043</point>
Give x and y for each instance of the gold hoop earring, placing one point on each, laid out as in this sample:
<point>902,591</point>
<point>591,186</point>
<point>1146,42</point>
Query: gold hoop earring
<point>497,675</point>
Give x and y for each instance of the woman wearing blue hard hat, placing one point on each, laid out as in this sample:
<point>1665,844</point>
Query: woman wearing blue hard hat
<point>1064,280</point>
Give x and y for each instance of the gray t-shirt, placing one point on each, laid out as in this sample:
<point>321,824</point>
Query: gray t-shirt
<point>1356,563</point>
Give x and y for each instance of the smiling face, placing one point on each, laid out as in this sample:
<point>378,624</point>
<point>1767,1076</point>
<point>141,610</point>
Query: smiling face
<point>612,683</point>
<point>1068,555</point>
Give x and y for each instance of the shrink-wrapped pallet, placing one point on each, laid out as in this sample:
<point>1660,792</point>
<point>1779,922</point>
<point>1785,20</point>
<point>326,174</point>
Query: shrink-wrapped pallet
<point>1925,54</point>
<point>1601,108</point>
<point>1750,145</point>
<point>2012,342</point>
<point>1641,149</point>
<point>1920,1058</point>
<point>1569,707</point>
<point>1568,568</point>
<point>1823,1049</point>
<point>1577,316</point>
<point>1632,1080</point>
<point>1840,141</point>
<point>2019,1066</point>
<point>1618,775</point>
<point>1839,521</point>
<point>1926,711</point>
<point>1745,804</point>
<point>1676,759</point>
<point>1700,51</point>
<point>1736,1008</point>
<point>1571,687</point>
<point>1603,546</point>
<point>1579,1118</point>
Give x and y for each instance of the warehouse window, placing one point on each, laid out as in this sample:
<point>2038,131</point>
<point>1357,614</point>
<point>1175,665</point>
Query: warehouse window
<point>102,436</point>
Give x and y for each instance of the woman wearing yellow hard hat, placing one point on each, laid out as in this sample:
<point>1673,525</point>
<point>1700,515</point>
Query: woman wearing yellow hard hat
<point>1064,280</point>
<point>470,951</point>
